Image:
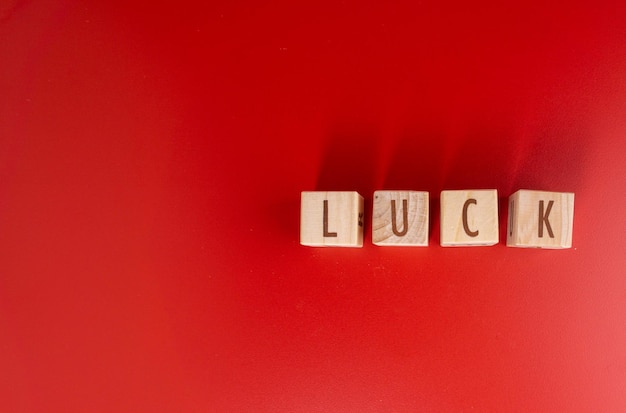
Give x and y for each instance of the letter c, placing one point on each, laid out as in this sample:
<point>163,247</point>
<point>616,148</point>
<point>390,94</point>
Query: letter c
<point>465,225</point>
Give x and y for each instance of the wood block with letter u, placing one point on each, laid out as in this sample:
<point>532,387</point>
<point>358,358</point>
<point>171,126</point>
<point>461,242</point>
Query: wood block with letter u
<point>400,218</point>
<point>331,219</point>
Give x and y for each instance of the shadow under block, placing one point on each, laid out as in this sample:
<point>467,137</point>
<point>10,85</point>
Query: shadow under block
<point>331,219</point>
<point>400,218</point>
<point>469,218</point>
<point>540,219</point>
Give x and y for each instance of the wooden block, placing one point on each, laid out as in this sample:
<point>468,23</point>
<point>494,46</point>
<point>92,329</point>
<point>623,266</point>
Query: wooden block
<point>540,219</point>
<point>400,218</point>
<point>331,219</point>
<point>469,218</point>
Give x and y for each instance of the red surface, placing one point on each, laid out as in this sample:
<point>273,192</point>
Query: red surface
<point>151,161</point>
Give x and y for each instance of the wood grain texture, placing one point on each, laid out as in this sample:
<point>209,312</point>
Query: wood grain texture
<point>469,218</point>
<point>400,218</point>
<point>540,219</point>
<point>331,219</point>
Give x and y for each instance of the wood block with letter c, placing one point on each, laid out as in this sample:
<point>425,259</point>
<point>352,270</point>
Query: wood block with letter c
<point>469,218</point>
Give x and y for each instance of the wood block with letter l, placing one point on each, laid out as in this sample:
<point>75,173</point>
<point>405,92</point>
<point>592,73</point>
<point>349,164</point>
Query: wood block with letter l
<point>540,219</point>
<point>331,219</point>
<point>469,218</point>
<point>400,218</point>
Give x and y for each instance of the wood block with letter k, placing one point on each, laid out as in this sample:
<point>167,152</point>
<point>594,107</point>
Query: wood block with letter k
<point>540,219</point>
<point>331,219</point>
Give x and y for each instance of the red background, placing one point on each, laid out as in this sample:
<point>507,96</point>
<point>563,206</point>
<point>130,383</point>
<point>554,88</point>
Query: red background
<point>151,163</point>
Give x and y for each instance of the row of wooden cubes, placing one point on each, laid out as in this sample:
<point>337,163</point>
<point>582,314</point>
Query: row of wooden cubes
<point>537,219</point>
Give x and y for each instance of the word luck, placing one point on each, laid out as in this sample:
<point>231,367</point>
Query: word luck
<point>536,219</point>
